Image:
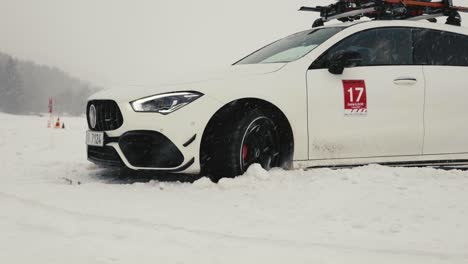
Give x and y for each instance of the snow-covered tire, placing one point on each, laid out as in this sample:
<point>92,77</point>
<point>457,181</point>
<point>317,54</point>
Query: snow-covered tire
<point>252,138</point>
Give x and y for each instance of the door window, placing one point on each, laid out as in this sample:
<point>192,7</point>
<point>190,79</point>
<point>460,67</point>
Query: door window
<point>434,47</point>
<point>382,46</point>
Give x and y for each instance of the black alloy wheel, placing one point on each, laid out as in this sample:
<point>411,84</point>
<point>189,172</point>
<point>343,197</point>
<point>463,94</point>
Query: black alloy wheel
<point>234,146</point>
<point>260,144</point>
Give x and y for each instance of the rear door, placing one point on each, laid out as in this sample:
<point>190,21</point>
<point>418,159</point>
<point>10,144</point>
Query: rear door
<point>445,59</point>
<point>372,110</point>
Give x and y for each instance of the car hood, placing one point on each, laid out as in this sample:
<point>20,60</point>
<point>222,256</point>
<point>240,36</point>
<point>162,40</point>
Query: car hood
<point>201,84</point>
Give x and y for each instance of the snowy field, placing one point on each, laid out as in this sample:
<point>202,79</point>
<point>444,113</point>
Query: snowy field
<point>371,214</point>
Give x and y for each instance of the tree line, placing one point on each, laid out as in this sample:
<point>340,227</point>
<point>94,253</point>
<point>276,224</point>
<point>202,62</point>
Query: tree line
<point>25,88</point>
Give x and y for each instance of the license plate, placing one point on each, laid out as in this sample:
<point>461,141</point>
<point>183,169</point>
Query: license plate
<point>95,138</point>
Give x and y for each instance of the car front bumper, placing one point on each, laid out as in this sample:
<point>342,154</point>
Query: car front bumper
<point>151,141</point>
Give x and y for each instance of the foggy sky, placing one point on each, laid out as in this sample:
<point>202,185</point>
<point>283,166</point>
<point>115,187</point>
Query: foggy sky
<point>123,42</point>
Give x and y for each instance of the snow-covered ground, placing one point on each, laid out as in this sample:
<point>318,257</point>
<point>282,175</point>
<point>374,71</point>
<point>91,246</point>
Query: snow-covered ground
<point>371,214</point>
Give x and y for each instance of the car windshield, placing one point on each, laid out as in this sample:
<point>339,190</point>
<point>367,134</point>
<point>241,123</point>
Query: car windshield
<point>291,48</point>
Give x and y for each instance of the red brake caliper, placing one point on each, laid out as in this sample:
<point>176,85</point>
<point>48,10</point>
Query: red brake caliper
<point>245,152</point>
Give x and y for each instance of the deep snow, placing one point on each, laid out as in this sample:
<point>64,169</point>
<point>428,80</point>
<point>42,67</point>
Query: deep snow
<point>371,214</point>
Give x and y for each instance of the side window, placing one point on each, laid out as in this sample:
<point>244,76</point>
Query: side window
<point>434,47</point>
<point>382,46</point>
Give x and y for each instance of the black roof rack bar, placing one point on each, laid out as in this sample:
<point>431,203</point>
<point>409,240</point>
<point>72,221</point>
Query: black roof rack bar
<point>360,12</point>
<point>350,10</point>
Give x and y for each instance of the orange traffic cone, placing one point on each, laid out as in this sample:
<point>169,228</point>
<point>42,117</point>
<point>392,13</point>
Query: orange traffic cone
<point>57,124</point>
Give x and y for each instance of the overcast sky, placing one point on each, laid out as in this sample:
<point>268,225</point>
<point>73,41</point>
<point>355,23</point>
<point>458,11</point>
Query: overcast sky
<point>120,42</point>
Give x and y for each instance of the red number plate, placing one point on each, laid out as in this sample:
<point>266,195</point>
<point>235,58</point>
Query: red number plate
<point>355,97</point>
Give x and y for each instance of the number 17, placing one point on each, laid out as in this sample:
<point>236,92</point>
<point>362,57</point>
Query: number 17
<point>351,93</point>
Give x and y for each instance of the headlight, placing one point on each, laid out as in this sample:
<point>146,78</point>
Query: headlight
<point>165,103</point>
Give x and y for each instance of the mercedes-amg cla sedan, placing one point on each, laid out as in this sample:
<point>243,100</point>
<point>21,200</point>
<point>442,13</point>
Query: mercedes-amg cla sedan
<point>387,92</point>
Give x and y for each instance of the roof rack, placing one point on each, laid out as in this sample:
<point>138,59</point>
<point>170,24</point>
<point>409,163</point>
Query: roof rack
<point>351,10</point>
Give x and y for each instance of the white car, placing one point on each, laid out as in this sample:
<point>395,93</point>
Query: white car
<point>387,92</point>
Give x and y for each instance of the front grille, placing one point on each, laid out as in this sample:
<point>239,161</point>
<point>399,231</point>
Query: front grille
<point>108,115</point>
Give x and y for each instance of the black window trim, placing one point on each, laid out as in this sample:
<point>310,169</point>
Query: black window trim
<point>313,66</point>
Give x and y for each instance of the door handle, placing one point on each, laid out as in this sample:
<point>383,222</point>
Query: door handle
<point>405,81</point>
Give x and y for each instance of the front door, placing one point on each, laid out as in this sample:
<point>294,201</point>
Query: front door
<point>372,110</point>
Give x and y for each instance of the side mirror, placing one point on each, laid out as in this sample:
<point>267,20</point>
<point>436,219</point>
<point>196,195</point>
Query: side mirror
<point>343,59</point>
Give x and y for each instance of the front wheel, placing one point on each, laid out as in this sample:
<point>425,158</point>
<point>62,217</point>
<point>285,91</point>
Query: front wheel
<point>253,138</point>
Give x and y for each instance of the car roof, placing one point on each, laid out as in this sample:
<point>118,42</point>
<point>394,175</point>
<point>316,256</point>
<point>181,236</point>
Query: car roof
<point>400,23</point>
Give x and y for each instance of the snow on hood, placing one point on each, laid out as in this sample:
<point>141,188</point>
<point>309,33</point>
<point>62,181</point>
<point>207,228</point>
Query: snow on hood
<point>188,82</point>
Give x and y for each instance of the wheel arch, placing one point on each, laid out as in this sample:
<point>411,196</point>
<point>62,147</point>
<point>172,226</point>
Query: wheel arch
<point>232,110</point>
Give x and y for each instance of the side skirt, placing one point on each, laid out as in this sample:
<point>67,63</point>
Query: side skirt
<point>448,160</point>
<point>432,163</point>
